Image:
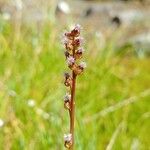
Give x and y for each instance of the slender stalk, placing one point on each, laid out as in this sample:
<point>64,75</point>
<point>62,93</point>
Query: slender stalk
<point>72,108</point>
<point>72,104</point>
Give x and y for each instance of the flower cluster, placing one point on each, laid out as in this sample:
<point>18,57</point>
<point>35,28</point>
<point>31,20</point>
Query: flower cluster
<point>73,53</point>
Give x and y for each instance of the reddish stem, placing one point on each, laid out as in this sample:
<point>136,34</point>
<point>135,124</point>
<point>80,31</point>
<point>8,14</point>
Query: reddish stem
<point>72,105</point>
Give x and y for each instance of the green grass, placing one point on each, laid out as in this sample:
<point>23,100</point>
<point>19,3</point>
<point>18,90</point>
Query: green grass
<point>32,66</point>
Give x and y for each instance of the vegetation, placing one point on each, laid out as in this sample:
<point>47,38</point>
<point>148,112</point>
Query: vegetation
<point>32,90</point>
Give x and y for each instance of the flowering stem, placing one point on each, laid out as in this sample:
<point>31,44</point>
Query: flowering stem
<point>72,42</point>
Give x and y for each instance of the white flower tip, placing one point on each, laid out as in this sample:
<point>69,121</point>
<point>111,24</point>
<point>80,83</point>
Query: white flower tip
<point>78,27</point>
<point>70,60</point>
<point>67,137</point>
<point>81,50</point>
<point>67,97</point>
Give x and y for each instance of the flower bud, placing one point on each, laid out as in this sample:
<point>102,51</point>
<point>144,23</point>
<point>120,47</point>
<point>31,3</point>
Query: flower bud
<point>76,31</point>
<point>77,28</point>
<point>66,75</point>
<point>78,42</point>
<point>79,69</point>
<point>80,50</point>
<point>70,61</point>
<point>69,35</point>
<point>66,54</point>
<point>67,97</point>
<point>79,53</point>
<point>68,79</point>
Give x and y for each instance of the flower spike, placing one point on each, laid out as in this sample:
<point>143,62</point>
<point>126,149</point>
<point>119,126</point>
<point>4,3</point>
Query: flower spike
<point>73,52</point>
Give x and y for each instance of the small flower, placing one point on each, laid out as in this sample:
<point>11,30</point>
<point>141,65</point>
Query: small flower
<point>77,27</point>
<point>67,43</point>
<point>76,31</point>
<point>68,140</point>
<point>68,35</point>
<point>68,79</point>
<point>80,50</point>
<point>67,54</point>
<point>78,69</point>
<point>78,41</point>
<point>67,97</point>
<point>67,105</point>
<point>67,75</point>
<point>70,61</point>
<point>79,53</point>
<point>83,65</point>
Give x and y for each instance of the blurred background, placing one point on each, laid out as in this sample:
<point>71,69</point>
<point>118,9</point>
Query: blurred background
<point>113,95</point>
